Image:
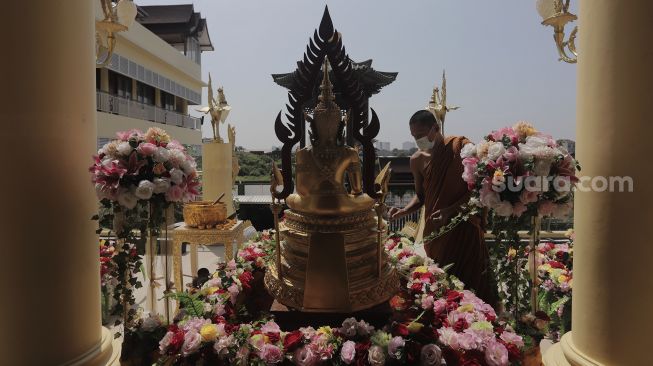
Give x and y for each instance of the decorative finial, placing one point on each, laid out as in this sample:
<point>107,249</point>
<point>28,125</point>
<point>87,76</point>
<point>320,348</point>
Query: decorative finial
<point>326,98</point>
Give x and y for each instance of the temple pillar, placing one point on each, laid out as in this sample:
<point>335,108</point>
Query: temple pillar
<point>217,172</point>
<point>49,263</point>
<point>613,285</point>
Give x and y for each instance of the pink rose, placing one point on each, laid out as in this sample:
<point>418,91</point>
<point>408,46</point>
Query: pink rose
<point>270,327</point>
<point>439,305</point>
<point>305,357</point>
<point>511,154</point>
<point>192,342</point>
<point>271,354</point>
<point>174,194</point>
<point>546,208</point>
<point>518,209</point>
<point>510,337</point>
<point>233,292</point>
<point>427,302</point>
<point>147,148</point>
<point>348,352</point>
<point>449,337</point>
<point>496,354</point>
<point>498,135</point>
<point>527,196</point>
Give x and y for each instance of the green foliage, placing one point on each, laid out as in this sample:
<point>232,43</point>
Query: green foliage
<point>191,303</point>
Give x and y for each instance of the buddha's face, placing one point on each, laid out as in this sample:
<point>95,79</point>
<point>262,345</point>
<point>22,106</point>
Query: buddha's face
<point>327,124</point>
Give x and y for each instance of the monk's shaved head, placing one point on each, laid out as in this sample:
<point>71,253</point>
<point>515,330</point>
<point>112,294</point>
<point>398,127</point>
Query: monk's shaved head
<point>424,118</point>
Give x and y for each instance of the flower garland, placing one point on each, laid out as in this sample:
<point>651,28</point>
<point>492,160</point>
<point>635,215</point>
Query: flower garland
<point>434,321</point>
<point>118,269</point>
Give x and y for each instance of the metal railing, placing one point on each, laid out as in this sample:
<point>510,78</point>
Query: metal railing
<point>134,109</point>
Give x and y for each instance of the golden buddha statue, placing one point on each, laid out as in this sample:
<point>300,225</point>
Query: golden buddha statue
<point>331,256</point>
<point>320,169</point>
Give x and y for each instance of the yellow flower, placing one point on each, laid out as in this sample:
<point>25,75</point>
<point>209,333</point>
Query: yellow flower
<point>562,278</point>
<point>524,129</point>
<point>512,253</point>
<point>414,327</point>
<point>466,308</point>
<point>326,330</point>
<point>209,332</point>
<point>421,269</point>
<point>210,290</point>
<point>498,173</point>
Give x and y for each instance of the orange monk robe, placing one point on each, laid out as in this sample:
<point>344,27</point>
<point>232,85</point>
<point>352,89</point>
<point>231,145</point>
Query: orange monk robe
<point>463,246</point>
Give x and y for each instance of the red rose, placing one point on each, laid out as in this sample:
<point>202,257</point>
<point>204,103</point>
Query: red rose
<point>176,342</point>
<point>472,358</point>
<point>451,356</point>
<point>292,341</point>
<point>361,353</point>
<point>245,279</point>
<point>556,264</point>
<point>514,353</point>
<point>413,352</point>
<point>230,328</point>
<point>401,329</point>
<point>274,337</point>
<point>417,287</point>
<point>453,295</point>
<point>460,325</point>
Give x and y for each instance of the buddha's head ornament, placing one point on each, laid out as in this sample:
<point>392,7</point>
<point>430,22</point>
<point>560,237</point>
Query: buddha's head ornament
<point>327,123</point>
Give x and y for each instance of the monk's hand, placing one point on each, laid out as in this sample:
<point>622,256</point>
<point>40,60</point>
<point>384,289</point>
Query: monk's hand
<point>440,218</point>
<point>395,213</point>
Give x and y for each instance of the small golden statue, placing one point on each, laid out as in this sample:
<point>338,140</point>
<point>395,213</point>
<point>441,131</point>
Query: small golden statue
<point>438,103</point>
<point>218,109</point>
<point>330,254</point>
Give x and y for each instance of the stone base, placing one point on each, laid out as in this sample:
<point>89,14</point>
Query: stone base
<point>289,319</point>
<point>565,353</point>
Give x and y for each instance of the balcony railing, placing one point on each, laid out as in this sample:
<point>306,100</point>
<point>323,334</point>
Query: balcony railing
<point>134,109</point>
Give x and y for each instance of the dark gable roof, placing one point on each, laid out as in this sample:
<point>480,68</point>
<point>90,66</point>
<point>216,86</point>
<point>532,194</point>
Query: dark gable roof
<point>173,23</point>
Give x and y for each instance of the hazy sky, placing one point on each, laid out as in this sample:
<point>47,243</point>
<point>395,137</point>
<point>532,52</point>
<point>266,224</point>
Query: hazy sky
<point>501,63</point>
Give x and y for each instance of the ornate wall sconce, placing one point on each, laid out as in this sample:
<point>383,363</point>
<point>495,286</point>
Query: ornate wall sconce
<point>556,14</point>
<point>117,18</point>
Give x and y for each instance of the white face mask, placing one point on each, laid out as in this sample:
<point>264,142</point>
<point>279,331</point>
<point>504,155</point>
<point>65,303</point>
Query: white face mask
<point>424,143</point>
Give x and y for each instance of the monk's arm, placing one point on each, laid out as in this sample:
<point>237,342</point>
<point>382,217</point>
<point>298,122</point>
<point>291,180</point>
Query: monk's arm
<point>418,199</point>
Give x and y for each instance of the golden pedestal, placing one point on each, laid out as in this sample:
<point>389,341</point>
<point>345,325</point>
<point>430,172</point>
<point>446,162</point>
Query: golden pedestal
<point>353,278</point>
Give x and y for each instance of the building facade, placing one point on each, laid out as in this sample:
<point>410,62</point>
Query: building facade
<point>155,75</point>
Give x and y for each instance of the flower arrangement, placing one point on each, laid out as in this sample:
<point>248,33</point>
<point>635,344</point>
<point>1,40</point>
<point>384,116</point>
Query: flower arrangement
<point>137,177</point>
<point>518,170</point>
<point>555,280</point>
<point>434,321</point>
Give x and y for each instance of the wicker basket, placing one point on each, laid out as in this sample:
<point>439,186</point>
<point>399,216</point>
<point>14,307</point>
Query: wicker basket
<point>204,214</point>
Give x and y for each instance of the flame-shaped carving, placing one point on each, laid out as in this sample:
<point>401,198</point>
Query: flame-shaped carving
<point>326,42</point>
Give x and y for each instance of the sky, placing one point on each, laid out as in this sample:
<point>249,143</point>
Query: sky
<point>501,63</point>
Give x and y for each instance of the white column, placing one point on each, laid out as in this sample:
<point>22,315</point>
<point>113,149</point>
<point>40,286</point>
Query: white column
<point>49,265</point>
<point>613,254</point>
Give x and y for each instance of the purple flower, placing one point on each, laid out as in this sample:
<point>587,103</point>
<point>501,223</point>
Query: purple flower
<point>394,347</point>
<point>348,352</point>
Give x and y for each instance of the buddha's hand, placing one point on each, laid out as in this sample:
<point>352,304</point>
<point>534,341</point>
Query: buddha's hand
<point>395,213</point>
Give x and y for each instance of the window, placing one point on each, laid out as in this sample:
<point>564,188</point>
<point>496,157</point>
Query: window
<point>98,78</point>
<point>144,93</point>
<point>120,85</point>
<point>192,50</point>
<point>167,101</point>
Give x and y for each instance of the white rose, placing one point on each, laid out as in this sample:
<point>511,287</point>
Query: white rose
<point>150,323</point>
<point>468,151</point>
<point>124,148</point>
<point>127,199</point>
<point>144,190</point>
<point>503,208</point>
<point>542,166</point>
<point>177,157</point>
<point>495,151</point>
<point>161,155</point>
<point>188,166</point>
<point>176,176</point>
<point>161,185</point>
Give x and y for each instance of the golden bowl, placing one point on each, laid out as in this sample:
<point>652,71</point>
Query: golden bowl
<point>204,214</point>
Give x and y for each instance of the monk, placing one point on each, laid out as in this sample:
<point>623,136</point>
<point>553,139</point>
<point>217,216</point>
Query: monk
<point>437,170</point>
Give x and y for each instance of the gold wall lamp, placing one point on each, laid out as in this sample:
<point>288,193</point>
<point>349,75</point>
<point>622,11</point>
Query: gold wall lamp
<point>117,18</point>
<point>556,14</point>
